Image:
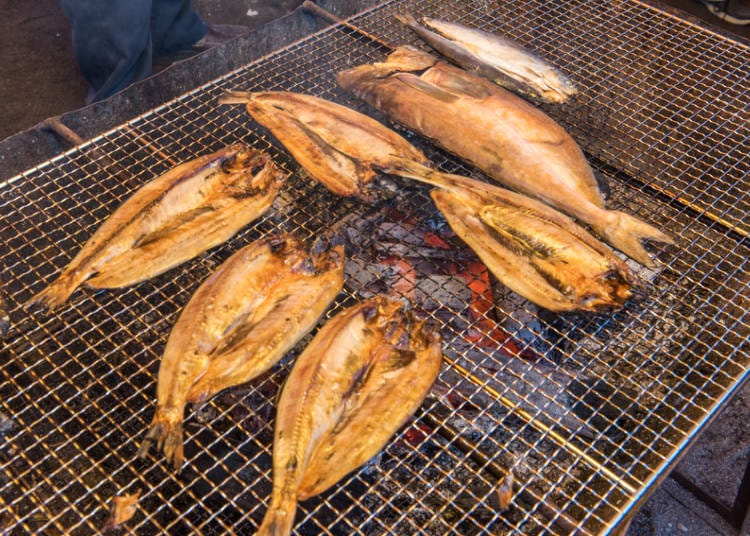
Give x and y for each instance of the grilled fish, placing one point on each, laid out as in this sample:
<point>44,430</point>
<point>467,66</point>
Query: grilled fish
<point>253,309</point>
<point>530,247</point>
<point>337,146</point>
<point>171,219</point>
<point>496,58</point>
<point>365,372</point>
<point>513,142</point>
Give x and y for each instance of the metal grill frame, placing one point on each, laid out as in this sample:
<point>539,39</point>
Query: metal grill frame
<point>78,385</point>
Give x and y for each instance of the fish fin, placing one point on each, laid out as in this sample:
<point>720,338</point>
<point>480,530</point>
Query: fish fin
<point>166,432</point>
<point>404,167</point>
<point>458,85</point>
<point>279,518</point>
<point>427,88</point>
<point>56,294</point>
<point>409,169</point>
<point>405,18</point>
<point>236,97</point>
<point>409,58</point>
<point>625,232</point>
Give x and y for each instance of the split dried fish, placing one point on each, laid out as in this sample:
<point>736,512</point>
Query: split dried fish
<point>496,58</point>
<point>513,142</point>
<point>337,146</point>
<point>171,219</point>
<point>365,372</point>
<point>253,309</point>
<point>531,248</point>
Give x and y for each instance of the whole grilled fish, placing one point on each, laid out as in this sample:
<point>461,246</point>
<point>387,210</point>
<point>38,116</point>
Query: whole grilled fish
<point>496,58</point>
<point>336,145</point>
<point>171,219</point>
<point>253,309</point>
<point>365,372</point>
<point>506,137</point>
<point>531,248</point>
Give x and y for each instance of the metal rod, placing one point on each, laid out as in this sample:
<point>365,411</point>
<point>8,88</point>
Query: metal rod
<point>311,6</point>
<point>702,495</point>
<point>540,426</point>
<point>57,127</point>
<point>702,211</point>
<point>63,131</point>
<point>741,507</point>
<point>141,138</point>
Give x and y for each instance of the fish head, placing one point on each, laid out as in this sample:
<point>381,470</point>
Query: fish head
<point>610,291</point>
<point>242,157</point>
<point>382,311</point>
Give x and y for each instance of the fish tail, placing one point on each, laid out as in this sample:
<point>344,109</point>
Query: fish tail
<point>236,97</point>
<point>625,232</point>
<point>166,432</point>
<point>417,171</point>
<point>406,18</point>
<point>409,169</point>
<point>55,294</point>
<point>279,518</point>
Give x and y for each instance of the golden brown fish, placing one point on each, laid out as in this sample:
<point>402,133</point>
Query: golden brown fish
<point>240,322</point>
<point>494,57</point>
<point>171,219</point>
<point>498,132</point>
<point>365,372</point>
<point>531,248</point>
<point>337,146</point>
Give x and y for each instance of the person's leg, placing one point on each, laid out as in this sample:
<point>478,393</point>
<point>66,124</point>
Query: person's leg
<point>175,25</point>
<point>111,41</point>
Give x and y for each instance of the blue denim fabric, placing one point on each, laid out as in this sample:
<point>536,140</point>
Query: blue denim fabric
<point>114,40</point>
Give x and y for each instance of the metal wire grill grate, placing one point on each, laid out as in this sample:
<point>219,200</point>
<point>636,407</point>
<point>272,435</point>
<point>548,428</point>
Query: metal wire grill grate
<point>588,417</point>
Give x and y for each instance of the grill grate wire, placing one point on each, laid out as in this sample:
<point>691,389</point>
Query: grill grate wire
<point>588,420</point>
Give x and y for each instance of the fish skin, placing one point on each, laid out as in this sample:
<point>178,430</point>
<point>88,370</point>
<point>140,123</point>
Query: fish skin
<point>533,249</point>
<point>337,146</point>
<point>494,57</point>
<point>513,142</point>
<point>171,219</point>
<point>367,370</point>
<point>252,310</point>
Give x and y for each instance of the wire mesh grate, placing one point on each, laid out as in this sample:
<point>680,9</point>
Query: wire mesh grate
<point>587,410</point>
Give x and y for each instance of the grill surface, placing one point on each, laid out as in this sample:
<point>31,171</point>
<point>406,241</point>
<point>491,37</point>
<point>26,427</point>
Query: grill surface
<point>588,418</point>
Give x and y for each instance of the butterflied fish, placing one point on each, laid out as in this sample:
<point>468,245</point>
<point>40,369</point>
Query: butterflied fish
<point>253,309</point>
<point>171,219</point>
<point>538,252</point>
<point>533,249</point>
<point>337,146</point>
<point>510,140</point>
<point>496,58</point>
<point>365,372</point>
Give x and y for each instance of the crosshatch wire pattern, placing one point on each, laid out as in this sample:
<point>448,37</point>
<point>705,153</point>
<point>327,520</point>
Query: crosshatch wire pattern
<point>586,410</point>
